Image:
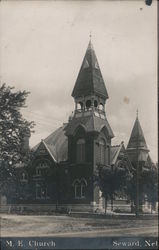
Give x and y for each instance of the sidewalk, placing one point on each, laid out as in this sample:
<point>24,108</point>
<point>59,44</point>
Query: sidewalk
<point>114,215</point>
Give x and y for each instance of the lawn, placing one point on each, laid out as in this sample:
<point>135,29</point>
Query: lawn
<point>24,225</point>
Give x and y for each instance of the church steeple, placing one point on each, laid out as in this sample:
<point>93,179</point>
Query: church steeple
<point>137,136</point>
<point>90,95</point>
<point>88,131</point>
<point>137,142</point>
<point>90,80</point>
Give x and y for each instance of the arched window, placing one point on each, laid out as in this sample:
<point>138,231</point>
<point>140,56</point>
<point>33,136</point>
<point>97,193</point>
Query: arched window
<point>102,151</point>
<point>42,168</point>
<point>95,104</point>
<point>43,164</point>
<point>80,188</point>
<point>88,104</point>
<point>83,189</point>
<point>80,105</point>
<point>80,150</point>
<point>77,190</point>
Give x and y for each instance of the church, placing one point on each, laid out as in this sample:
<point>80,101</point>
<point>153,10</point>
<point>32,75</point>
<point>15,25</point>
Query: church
<point>63,165</point>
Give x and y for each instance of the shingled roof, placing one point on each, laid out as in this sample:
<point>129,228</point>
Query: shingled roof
<point>114,153</point>
<point>137,137</point>
<point>90,80</point>
<point>56,144</point>
<point>90,123</point>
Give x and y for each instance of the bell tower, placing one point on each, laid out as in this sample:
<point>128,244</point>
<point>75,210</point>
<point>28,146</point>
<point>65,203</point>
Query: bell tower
<point>89,91</point>
<point>88,131</point>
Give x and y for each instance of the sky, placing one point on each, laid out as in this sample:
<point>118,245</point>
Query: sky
<point>42,45</point>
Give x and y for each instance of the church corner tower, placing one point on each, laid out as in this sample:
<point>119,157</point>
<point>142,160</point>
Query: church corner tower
<point>137,148</point>
<point>88,131</point>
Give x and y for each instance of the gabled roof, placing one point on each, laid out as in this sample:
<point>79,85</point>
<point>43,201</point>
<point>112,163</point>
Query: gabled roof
<point>50,149</point>
<point>56,144</point>
<point>117,153</point>
<point>90,80</point>
<point>149,163</point>
<point>137,137</point>
<point>114,153</point>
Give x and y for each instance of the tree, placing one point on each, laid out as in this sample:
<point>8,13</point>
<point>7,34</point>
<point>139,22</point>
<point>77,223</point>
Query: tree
<point>112,179</point>
<point>105,178</point>
<point>13,130</point>
<point>148,183</point>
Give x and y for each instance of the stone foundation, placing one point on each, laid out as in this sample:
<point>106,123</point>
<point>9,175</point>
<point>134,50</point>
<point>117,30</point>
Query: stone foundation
<point>68,208</point>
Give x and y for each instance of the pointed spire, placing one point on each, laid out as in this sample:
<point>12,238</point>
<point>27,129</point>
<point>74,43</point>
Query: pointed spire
<point>137,136</point>
<point>90,80</point>
<point>90,45</point>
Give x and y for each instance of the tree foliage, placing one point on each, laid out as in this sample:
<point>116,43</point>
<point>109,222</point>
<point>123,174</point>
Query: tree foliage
<point>13,130</point>
<point>112,179</point>
<point>149,184</point>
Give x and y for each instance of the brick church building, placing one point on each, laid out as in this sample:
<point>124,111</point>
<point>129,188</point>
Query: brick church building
<point>64,163</point>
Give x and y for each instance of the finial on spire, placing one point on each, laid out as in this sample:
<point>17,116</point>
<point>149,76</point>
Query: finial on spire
<point>90,46</point>
<point>137,112</point>
<point>90,35</point>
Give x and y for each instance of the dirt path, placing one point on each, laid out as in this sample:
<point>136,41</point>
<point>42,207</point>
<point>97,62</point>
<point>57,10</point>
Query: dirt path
<point>29,226</point>
<point>142,231</point>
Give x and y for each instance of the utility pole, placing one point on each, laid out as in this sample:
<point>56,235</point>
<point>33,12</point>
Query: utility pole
<point>137,171</point>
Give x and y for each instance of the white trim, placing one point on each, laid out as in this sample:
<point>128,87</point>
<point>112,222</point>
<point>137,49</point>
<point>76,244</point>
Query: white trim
<point>84,180</point>
<point>76,180</point>
<point>117,154</point>
<point>48,150</point>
